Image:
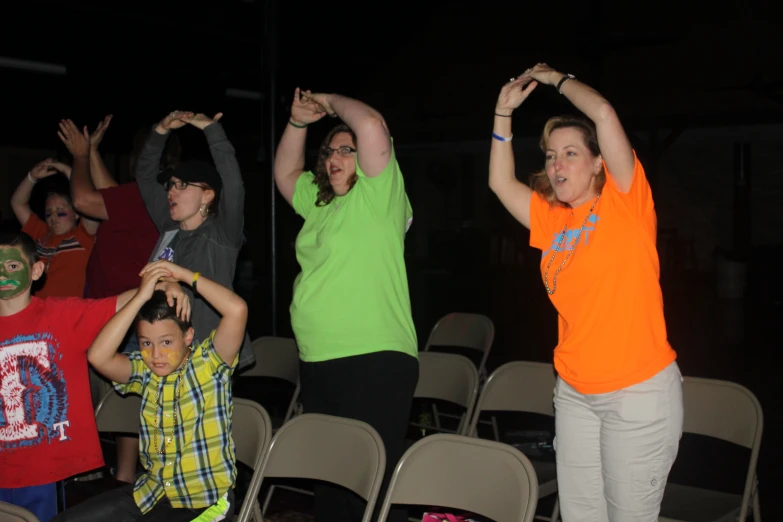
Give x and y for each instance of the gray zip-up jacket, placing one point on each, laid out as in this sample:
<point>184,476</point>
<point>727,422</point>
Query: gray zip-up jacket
<point>213,247</point>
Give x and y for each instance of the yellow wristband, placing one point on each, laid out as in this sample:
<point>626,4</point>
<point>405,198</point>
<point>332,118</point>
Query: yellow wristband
<point>195,280</point>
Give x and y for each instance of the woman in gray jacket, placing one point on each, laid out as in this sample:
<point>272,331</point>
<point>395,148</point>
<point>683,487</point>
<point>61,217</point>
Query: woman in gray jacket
<point>199,212</point>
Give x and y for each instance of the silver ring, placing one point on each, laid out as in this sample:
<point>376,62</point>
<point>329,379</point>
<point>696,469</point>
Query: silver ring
<point>511,79</point>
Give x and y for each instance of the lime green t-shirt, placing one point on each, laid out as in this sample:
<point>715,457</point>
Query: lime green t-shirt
<point>351,297</point>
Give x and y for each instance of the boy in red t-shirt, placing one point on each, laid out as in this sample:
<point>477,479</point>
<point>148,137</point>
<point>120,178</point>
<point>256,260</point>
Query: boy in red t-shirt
<point>47,426</point>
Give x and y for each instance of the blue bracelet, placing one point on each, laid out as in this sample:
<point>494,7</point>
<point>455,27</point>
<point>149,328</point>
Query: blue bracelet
<point>501,138</point>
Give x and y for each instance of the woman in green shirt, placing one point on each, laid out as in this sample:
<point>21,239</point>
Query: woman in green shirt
<point>351,311</point>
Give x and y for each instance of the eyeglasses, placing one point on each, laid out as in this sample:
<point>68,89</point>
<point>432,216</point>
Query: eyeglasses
<point>345,150</point>
<point>179,185</point>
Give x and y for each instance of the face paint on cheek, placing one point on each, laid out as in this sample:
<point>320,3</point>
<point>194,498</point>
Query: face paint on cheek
<point>14,273</point>
<point>146,355</point>
<point>174,358</point>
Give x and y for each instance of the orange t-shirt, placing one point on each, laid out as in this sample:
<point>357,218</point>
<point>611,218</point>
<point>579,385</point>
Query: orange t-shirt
<point>611,329</point>
<point>66,254</point>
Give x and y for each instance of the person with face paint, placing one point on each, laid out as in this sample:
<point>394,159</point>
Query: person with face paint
<point>64,239</point>
<point>590,210</point>
<point>199,211</point>
<point>351,311</point>
<point>48,432</point>
<point>186,444</point>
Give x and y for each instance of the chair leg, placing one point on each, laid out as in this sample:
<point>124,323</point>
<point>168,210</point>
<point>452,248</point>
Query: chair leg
<point>556,511</point>
<point>257,516</point>
<point>495,428</point>
<point>756,507</point>
<point>267,501</point>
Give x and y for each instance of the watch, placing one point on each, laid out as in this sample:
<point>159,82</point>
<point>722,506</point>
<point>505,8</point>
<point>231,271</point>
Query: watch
<point>563,80</point>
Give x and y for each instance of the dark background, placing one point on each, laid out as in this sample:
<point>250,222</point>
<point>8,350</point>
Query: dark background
<point>434,70</point>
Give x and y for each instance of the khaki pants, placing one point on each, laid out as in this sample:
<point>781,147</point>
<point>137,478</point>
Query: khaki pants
<point>614,450</point>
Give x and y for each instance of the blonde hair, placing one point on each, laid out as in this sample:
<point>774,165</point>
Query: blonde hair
<point>539,181</point>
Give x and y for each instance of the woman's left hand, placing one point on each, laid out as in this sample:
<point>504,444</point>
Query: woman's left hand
<point>322,100</point>
<point>543,73</point>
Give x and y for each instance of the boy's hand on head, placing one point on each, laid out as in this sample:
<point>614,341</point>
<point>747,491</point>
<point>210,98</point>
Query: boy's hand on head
<point>176,296</point>
<point>149,279</point>
<point>177,274</point>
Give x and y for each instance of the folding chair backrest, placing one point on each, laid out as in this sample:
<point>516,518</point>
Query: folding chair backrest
<point>520,386</point>
<point>726,411</point>
<point>722,409</point>
<point>473,331</point>
<point>484,477</point>
<point>275,357</point>
<point>12,513</point>
<point>117,413</point>
<point>251,430</point>
<point>345,452</point>
<point>447,377</point>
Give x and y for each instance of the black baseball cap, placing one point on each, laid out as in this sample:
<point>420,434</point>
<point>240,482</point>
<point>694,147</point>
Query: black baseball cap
<point>195,171</point>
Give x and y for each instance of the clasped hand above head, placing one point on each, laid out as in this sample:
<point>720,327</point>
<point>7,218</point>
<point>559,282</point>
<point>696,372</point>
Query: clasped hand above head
<point>308,108</point>
<point>519,88</point>
<point>178,119</point>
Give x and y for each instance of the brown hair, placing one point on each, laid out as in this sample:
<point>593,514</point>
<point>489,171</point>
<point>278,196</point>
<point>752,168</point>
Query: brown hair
<point>539,181</point>
<point>325,191</point>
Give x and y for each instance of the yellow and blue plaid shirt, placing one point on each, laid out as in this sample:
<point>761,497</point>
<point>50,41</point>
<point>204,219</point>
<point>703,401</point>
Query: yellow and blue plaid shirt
<point>198,466</point>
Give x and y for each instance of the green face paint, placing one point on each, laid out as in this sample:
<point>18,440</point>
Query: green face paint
<point>14,273</point>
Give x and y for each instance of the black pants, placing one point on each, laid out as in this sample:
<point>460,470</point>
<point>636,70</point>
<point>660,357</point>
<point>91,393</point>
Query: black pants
<point>118,505</point>
<point>376,388</point>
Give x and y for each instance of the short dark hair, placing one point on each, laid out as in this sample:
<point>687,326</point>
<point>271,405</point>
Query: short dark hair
<point>158,309</point>
<point>23,241</point>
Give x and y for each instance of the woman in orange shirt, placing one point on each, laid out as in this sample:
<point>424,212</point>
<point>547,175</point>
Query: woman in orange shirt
<point>618,399</point>
<point>64,239</point>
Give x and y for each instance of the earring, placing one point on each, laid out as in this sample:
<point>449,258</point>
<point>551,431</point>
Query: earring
<point>203,210</point>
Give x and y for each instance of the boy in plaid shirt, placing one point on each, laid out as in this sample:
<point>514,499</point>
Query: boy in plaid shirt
<point>185,439</point>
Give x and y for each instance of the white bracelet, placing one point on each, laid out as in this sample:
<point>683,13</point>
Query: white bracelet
<point>31,178</point>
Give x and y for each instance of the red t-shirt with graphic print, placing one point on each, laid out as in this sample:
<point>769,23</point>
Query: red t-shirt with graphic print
<point>47,425</point>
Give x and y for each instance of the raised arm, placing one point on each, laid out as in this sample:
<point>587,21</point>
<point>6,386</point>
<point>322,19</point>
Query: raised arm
<point>290,155</point>
<point>615,148</point>
<point>99,174</point>
<point>103,351</point>
<point>231,208</point>
<point>148,167</point>
<point>20,199</point>
<point>230,333</point>
<point>78,144</point>
<point>86,199</point>
<point>373,141</point>
<point>514,194</point>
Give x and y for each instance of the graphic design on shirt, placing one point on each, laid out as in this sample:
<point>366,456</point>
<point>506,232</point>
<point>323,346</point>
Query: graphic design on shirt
<point>570,236</point>
<point>167,254</point>
<point>33,394</point>
<point>168,245</point>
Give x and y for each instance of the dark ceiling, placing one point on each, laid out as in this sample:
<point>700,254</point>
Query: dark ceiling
<point>433,69</point>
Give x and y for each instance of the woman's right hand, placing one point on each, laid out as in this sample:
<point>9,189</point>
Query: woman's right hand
<point>173,120</point>
<point>44,169</point>
<point>514,93</point>
<point>304,111</point>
